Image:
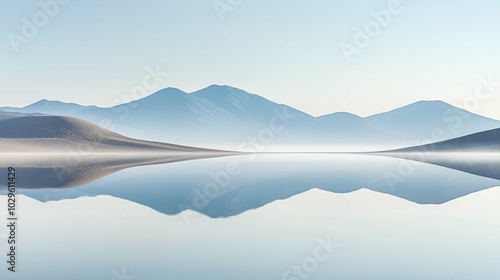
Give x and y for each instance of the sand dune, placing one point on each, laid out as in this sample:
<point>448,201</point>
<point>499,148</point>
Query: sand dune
<point>57,134</point>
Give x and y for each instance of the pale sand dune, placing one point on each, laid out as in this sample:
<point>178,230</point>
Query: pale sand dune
<point>56,134</point>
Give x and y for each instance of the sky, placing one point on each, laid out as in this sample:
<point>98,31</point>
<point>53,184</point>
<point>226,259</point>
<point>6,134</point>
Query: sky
<point>323,56</point>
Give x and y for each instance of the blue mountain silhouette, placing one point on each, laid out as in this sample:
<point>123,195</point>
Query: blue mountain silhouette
<point>225,117</point>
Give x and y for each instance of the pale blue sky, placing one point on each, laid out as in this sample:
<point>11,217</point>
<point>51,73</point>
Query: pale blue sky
<point>95,52</point>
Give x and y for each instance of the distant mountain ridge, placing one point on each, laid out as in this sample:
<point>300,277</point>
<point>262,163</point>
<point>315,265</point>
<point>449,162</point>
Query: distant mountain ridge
<point>224,116</point>
<point>49,107</point>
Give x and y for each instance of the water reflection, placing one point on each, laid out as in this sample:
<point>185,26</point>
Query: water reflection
<point>482,164</point>
<point>72,170</point>
<point>227,186</point>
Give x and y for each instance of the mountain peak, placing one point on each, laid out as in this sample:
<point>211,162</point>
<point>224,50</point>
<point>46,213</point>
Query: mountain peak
<point>172,89</point>
<point>225,87</point>
<point>220,90</point>
<point>166,92</point>
<point>169,90</point>
<point>45,102</point>
<point>41,102</point>
<point>217,86</point>
<point>430,103</point>
<point>343,115</point>
<point>418,107</point>
<point>224,95</point>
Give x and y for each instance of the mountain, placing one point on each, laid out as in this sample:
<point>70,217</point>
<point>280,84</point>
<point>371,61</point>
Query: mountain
<point>246,106</point>
<point>230,118</point>
<point>428,118</point>
<point>10,115</point>
<point>386,238</point>
<point>216,116</point>
<point>49,108</point>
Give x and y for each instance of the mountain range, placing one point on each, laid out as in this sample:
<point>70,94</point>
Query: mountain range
<point>230,118</point>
